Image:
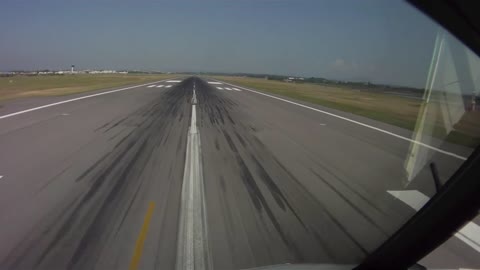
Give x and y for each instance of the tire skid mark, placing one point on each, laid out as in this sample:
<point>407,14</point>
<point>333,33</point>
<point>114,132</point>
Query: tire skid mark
<point>95,209</point>
<point>94,230</point>
<point>256,195</point>
<point>350,203</point>
<point>276,192</point>
<point>261,203</point>
<point>289,193</point>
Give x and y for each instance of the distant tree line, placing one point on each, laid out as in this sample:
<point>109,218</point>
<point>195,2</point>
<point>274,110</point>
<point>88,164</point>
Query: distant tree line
<point>319,80</point>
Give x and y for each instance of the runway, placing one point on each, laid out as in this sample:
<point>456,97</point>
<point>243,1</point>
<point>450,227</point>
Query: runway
<point>195,173</point>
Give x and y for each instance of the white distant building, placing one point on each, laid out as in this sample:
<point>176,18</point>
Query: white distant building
<point>87,71</point>
<point>103,72</point>
<point>293,79</point>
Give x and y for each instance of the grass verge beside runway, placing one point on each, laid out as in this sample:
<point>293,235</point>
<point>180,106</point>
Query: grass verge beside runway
<point>58,85</point>
<point>391,109</point>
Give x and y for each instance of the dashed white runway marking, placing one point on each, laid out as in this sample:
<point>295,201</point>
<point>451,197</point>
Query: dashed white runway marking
<point>65,114</point>
<point>1,176</point>
<point>469,234</point>
<point>174,81</point>
<point>229,89</point>
<point>322,124</point>
<point>214,82</point>
<point>168,86</point>
<point>159,86</point>
<point>150,86</point>
<point>219,88</point>
<point>236,89</point>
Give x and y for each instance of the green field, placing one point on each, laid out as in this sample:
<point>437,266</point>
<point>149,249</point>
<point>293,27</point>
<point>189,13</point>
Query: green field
<point>57,85</point>
<point>391,109</point>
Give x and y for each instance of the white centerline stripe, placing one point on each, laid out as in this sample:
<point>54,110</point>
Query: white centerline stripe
<point>236,89</point>
<point>159,86</point>
<point>174,81</point>
<point>359,123</point>
<point>73,99</point>
<point>219,88</point>
<point>229,89</point>
<point>194,101</point>
<point>214,82</point>
<point>469,234</point>
<point>1,176</point>
<point>192,249</point>
<point>150,86</point>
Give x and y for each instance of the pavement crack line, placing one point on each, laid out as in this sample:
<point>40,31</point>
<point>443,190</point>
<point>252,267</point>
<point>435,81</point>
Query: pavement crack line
<point>192,242</point>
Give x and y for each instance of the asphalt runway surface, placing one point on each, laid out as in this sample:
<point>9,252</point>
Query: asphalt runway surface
<point>220,177</point>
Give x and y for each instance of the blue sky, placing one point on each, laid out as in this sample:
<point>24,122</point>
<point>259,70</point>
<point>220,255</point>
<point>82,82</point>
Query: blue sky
<point>384,41</point>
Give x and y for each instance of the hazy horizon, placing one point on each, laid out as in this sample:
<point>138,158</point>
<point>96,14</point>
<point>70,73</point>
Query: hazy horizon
<point>377,41</point>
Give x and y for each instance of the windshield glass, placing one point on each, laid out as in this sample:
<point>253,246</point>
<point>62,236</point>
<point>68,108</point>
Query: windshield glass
<point>226,134</point>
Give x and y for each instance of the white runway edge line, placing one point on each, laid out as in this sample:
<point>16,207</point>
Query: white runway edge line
<point>173,81</point>
<point>469,234</point>
<point>214,82</point>
<point>192,245</point>
<point>75,99</point>
<point>357,122</point>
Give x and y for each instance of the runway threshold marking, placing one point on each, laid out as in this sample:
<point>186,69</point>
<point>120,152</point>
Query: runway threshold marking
<point>192,250</point>
<point>75,99</point>
<point>469,234</point>
<point>137,254</point>
<point>358,123</point>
